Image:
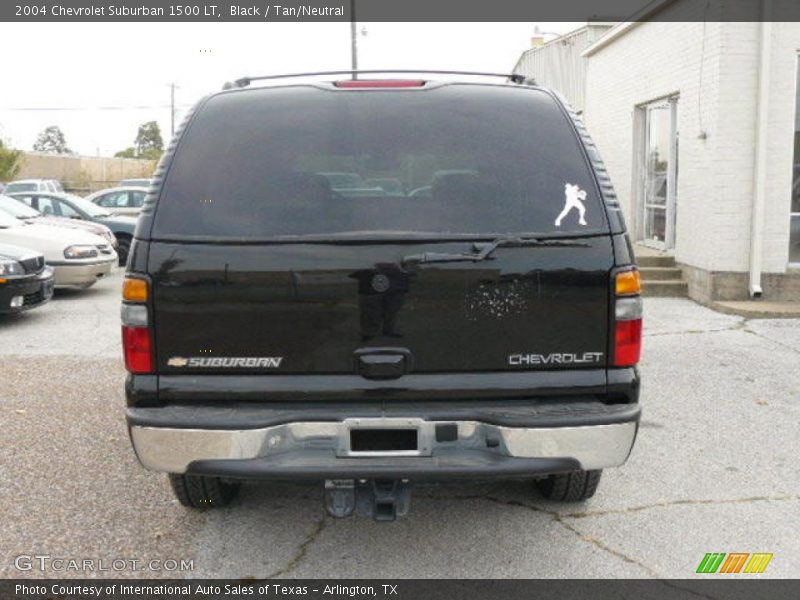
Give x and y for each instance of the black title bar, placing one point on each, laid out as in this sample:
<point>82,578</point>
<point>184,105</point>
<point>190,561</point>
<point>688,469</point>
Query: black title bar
<point>738,587</point>
<point>397,10</point>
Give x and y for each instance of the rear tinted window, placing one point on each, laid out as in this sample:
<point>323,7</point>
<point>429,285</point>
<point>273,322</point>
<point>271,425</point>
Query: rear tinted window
<point>459,159</point>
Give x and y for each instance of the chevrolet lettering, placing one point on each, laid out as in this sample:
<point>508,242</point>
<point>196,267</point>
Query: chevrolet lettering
<point>415,278</point>
<point>557,358</point>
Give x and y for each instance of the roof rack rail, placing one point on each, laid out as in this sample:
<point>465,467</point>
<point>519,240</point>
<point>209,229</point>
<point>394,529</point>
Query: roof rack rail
<point>246,81</point>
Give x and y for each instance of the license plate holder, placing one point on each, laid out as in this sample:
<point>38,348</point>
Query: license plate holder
<point>384,437</point>
<point>47,289</point>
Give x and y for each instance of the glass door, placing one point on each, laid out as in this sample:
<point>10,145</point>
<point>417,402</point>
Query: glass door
<point>660,174</point>
<point>794,216</point>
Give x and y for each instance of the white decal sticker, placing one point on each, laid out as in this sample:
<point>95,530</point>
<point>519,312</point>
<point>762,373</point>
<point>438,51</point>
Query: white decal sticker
<point>574,197</point>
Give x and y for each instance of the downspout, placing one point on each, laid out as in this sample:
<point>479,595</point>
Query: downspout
<point>762,118</point>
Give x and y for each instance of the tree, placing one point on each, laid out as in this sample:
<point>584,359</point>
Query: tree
<point>148,140</point>
<point>129,152</point>
<point>10,162</point>
<point>52,141</point>
<point>148,143</point>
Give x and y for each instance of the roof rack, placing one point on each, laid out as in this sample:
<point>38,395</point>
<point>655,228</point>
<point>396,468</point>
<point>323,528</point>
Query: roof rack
<point>246,81</point>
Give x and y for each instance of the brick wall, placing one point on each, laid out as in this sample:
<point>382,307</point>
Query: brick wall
<point>83,173</point>
<point>713,68</point>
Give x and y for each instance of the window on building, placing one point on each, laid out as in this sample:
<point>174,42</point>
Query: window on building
<point>794,224</point>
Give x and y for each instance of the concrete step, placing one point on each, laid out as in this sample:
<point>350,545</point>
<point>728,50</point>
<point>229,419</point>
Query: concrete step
<point>759,309</point>
<point>655,260</point>
<point>672,288</point>
<point>660,273</point>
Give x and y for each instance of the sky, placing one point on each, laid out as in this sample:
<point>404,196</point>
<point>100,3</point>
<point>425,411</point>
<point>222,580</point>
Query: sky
<point>80,67</point>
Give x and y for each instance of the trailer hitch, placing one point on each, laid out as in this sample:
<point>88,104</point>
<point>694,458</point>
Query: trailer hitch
<point>380,499</point>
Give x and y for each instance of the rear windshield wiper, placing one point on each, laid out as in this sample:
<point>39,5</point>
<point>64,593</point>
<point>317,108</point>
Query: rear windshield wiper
<point>484,250</point>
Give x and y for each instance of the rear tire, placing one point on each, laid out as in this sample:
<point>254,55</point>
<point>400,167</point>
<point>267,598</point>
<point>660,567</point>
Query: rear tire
<point>123,248</point>
<point>570,487</point>
<point>196,491</point>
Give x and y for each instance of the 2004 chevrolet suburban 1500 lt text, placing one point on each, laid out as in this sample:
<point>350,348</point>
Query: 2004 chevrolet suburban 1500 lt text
<point>376,282</point>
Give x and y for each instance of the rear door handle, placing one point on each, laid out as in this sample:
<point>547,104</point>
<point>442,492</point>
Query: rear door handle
<point>382,363</point>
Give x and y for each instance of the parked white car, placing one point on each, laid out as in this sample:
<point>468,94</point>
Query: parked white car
<point>126,200</point>
<point>78,258</point>
<point>18,209</point>
<point>33,185</point>
<point>141,182</point>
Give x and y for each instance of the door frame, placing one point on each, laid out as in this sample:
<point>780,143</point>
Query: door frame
<point>641,143</point>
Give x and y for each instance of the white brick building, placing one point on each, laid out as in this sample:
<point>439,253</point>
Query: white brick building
<point>698,124</point>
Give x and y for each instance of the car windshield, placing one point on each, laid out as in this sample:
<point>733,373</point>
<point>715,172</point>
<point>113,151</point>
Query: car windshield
<point>451,160</point>
<point>343,181</point>
<point>17,209</point>
<point>86,206</point>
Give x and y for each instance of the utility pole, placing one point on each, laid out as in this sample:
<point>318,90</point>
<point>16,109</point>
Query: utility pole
<point>172,109</point>
<point>353,39</point>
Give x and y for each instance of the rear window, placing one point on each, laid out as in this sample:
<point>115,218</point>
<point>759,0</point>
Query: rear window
<point>458,159</point>
<point>21,187</point>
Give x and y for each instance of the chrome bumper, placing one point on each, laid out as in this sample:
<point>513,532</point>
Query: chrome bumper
<point>172,450</point>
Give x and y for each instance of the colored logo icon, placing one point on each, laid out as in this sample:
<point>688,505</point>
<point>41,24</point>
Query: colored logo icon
<point>734,562</point>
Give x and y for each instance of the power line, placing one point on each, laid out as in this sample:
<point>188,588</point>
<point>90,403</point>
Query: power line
<point>89,108</point>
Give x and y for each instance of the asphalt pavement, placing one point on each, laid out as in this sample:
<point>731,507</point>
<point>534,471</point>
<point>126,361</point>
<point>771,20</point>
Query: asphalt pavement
<point>714,469</point>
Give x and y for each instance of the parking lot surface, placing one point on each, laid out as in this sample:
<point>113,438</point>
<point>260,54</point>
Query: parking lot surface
<point>714,469</point>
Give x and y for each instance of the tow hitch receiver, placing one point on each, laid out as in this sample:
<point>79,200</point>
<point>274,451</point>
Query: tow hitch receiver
<point>381,499</point>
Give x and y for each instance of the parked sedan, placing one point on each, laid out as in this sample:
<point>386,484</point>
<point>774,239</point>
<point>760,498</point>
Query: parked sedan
<point>143,183</point>
<point>23,212</point>
<point>25,280</point>
<point>78,258</point>
<point>120,200</point>
<point>74,207</point>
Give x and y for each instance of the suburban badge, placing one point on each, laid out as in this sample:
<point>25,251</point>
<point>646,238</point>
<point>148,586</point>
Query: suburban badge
<point>227,362</point>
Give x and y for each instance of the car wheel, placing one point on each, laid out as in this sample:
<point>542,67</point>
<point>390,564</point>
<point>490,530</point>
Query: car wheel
<point>570,487</point>
<point>123,248</point>
<point>196,491</point>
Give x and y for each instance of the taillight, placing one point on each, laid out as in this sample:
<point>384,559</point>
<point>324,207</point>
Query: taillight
<point>134,290</point>
<point>627,283</point>
<point>379,83</point>
<point>138,349</point>
<point>628,343</point>
<point>137,343</point>
<point>627,318</point>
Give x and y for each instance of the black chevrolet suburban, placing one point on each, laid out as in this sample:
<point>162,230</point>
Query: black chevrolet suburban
<point>374,282</point>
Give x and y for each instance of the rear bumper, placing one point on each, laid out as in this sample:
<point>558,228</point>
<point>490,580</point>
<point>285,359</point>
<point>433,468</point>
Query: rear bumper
<point>502,444</point>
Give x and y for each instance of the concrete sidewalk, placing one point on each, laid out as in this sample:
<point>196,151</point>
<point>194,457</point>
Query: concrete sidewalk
<point>759,309</point>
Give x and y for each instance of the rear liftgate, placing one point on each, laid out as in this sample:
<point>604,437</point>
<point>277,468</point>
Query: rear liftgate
<point>380,499</point>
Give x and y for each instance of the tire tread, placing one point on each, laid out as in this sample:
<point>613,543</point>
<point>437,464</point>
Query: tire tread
<point>196,491</point>
<point>574,486</point>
